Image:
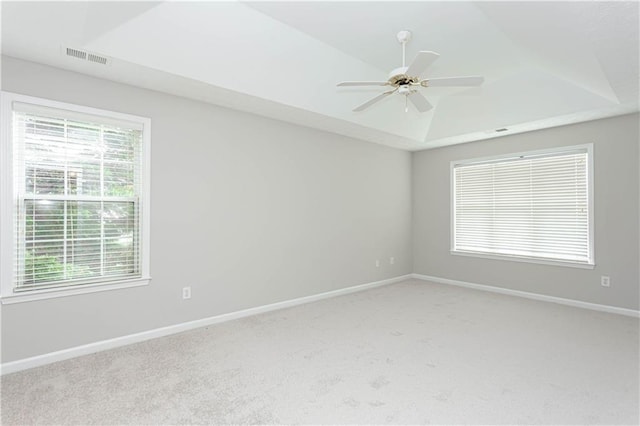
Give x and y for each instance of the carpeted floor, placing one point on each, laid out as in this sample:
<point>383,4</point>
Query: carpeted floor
<point>412,352</point>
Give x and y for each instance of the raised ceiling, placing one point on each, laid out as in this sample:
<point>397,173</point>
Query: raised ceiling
<point>545,63</point>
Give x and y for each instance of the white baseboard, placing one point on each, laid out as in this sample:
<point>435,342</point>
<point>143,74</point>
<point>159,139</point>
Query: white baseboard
<point>535,296</point>
<point>36,361</point>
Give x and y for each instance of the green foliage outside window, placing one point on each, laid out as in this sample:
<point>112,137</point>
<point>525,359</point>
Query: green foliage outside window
<point>48,268</point>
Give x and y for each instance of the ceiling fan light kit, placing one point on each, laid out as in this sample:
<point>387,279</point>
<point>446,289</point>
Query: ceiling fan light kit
<point>406,80</point>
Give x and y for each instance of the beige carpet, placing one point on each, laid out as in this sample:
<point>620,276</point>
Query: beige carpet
<point>412,352</point>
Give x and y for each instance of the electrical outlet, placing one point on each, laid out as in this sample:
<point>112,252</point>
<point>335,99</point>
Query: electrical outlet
<point>605,281</point>
<point>186,292</point>
<point>377,263</point>
<point>392,260</point>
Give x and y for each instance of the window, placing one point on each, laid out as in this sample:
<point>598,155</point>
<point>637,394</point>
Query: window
<point>533,206</point>
<point>75,188</point>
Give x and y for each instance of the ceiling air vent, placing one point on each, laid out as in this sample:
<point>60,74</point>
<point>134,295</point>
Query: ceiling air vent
<point>86,56</point>
<point>97,58</point>
<point>504,129</point>
<point>76,53</point>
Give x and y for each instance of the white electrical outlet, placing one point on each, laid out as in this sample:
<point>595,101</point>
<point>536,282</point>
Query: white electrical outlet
<point>392,260</point>
<point>377,263</point>
<point>186,292</point>
<point>605,281</point>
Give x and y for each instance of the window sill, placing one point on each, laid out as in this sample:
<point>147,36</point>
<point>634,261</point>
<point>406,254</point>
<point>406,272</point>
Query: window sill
<point>31,296</point>
<point>524,259</point>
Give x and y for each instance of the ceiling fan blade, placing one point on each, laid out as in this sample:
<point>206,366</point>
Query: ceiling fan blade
<point>420,102</point>
<point>374,100</point>
<point>421,62</point>
<point>363,83</point>
<point>472,80</point>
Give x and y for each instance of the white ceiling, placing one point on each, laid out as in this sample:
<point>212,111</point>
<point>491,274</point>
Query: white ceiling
<point>545,63</point>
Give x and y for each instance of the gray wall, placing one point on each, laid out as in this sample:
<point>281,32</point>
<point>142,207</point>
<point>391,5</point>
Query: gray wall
<point>250,211</point>
<point>616,216</point>
<point>246,210</point>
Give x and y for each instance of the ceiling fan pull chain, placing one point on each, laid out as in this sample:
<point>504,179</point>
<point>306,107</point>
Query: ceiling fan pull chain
<point>406,105</point>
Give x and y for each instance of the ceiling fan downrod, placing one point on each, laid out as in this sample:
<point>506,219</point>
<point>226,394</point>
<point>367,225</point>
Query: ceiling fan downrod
<point>403,37</point>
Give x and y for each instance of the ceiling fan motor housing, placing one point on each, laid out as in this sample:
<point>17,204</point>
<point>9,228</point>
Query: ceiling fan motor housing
<point>397,77</point>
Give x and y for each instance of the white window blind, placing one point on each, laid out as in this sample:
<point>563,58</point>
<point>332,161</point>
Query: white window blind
<point>530,206</point>
<point>77,182</point>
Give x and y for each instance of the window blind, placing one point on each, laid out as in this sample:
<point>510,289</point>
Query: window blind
<point>77,183</point>
<point>530,206</point>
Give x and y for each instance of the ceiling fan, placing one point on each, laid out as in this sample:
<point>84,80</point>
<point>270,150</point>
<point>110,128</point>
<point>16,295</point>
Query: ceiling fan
<point>406,80</point>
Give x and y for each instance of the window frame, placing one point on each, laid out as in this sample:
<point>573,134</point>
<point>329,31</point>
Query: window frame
<point>9,200</point>
<point>588,147</point>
